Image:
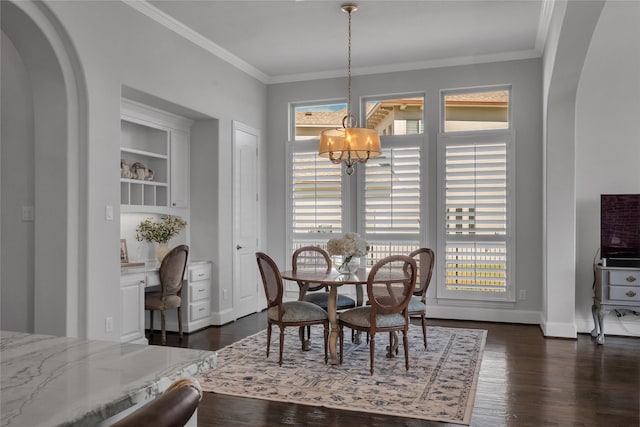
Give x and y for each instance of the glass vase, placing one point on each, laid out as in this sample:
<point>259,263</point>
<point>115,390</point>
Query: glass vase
<point>348,265</point>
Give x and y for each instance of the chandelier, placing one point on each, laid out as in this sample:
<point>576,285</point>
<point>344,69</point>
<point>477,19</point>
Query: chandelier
<point>349,144</point>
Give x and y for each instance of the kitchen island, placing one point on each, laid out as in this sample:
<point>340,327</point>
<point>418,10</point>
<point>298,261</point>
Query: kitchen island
<point>53,381</point>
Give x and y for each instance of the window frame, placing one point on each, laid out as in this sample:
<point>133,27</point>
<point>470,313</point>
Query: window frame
<point>481,137</point>
<point>419,140</point>
<point>310,144</point>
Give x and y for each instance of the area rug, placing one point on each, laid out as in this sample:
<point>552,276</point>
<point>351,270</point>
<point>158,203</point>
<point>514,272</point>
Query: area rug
<point>439,386</point>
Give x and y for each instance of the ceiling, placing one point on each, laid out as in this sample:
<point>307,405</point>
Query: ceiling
<point>289,40</point>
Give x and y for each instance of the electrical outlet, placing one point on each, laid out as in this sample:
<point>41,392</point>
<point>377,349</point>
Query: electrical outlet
<point>108,324</point>
<point>523,295</point>
<point>27,213</point>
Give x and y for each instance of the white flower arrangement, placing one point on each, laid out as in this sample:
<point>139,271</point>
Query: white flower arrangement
<point>350,245</point>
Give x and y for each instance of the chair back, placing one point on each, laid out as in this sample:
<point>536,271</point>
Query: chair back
<point>425,259</point>
<point>311,258</point>
<point>173,408</point>
<point>271,279</point>
<point>172,270</point>
<point>386,293</point>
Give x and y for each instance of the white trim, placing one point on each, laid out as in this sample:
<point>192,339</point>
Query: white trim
<point>543,24</point>
<point>196,38</point>
<point>137,112</point>
<point>628,326</point>
<point>222,317</point>
<point>409,66</point>
<point>559,330</point>
<point>483,314</point>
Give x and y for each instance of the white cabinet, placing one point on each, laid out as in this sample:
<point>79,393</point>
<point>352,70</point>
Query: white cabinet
<point>199,296</point>
<point>179,169</point>
<point>132,308</point>
<point>615,288</point>
<point>154,159</point>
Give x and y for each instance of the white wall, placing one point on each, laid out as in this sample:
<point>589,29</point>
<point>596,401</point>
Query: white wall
<point>18,189</point>
<point>526,78</point>
<point>118,46</point>
<point>607,142</point>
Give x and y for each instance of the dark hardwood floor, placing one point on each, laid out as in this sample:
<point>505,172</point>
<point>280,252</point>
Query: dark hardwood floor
<point>525,380</point>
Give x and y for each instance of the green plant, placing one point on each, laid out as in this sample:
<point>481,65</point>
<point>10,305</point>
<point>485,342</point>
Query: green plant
<point>161,232</point>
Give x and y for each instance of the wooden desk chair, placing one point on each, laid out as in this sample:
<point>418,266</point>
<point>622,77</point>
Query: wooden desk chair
<point>424,258</point>
<point>290,313</point>
<point>388,309</point>
<point>173,408</point>
<point>171,275</point>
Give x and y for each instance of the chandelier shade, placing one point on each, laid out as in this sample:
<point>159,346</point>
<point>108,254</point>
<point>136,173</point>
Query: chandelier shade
<point>350,144</point>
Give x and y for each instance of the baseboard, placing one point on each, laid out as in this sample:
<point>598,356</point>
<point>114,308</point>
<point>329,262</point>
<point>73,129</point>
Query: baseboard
<point>627,325</point>
<point>484,314</point>
<point>559,330</point>
<point>222,317</point>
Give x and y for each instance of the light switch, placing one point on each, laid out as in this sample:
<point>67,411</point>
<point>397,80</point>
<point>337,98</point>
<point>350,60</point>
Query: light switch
<point>108,213</point>
<point>27,213</point>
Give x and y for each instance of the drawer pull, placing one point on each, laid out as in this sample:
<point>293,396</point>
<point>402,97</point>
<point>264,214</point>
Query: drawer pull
<point>630,294</point>
<point>201,274</point>
<point>631,279</point>
<point>200,290</point>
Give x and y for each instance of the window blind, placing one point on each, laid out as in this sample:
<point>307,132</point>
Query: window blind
<point>316,194</point>
<point>476,222</point>
<point>392,193</point>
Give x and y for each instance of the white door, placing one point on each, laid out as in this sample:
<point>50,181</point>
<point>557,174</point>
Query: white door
<point>246,286</point>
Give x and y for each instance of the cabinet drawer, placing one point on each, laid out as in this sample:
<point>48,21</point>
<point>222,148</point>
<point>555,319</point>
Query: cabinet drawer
<point>624,293</point>
<point>199,310</point>
<point>624,277</point>
<point>199,291</point>
<point>199,272</point>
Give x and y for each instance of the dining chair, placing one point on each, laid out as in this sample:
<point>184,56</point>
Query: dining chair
<point>389,301</point>
<point>316,258</point>
<point>173,408</point>
<point>425,259</point>
<point>171,273</point>
<point>290,313</point>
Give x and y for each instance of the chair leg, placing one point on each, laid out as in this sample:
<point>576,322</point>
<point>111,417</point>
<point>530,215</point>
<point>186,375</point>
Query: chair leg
<point>281,344</point>
<point>341,338</point>
<point>405,340</point>
<point>180,321</point>
<point>164,327</point>
<point>268,337</point>
<point>326,340</point>
<point>424,330</point>
<point>372,349</point>
<point>151,323</point>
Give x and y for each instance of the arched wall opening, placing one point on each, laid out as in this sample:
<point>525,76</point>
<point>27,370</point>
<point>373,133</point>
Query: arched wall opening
<point>43,105</point>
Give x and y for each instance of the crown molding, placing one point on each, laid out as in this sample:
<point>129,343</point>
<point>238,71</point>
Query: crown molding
<point>412,66</point>
<point>543,24</point>
<point>196,38</point>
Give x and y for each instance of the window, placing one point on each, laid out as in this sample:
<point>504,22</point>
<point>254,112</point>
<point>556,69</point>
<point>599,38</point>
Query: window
<point>315,212</point>
<point>475,220</point>
<point>393,216</point>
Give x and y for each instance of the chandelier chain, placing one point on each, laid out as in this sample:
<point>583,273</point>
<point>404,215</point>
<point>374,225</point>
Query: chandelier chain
<point>349,70</point>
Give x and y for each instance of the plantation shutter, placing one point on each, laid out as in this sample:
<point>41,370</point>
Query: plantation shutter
<point>316,195</point>
<point>476,216</point>
<point>392,193</point>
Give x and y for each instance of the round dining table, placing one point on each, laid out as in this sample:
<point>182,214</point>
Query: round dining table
<point>334,280</point>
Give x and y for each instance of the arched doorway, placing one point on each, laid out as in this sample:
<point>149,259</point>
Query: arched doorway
<point>43,103</point>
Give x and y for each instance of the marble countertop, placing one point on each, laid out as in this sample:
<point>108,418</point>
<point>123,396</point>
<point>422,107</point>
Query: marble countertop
<point>51,381</point>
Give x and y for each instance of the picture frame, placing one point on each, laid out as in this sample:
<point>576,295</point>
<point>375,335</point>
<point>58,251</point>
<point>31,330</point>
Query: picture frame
<point>124,254</point>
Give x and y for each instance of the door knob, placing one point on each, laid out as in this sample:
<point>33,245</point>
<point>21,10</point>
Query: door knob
<point>238,247</point>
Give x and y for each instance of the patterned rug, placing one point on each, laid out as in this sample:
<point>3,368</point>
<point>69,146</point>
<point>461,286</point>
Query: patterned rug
<point>439,386</point>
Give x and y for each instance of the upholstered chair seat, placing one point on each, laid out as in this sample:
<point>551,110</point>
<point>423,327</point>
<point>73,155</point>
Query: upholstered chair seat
<point>321,299</point>
<point>154,301</point>
<point>298,311</point>
<point>361,316</point>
